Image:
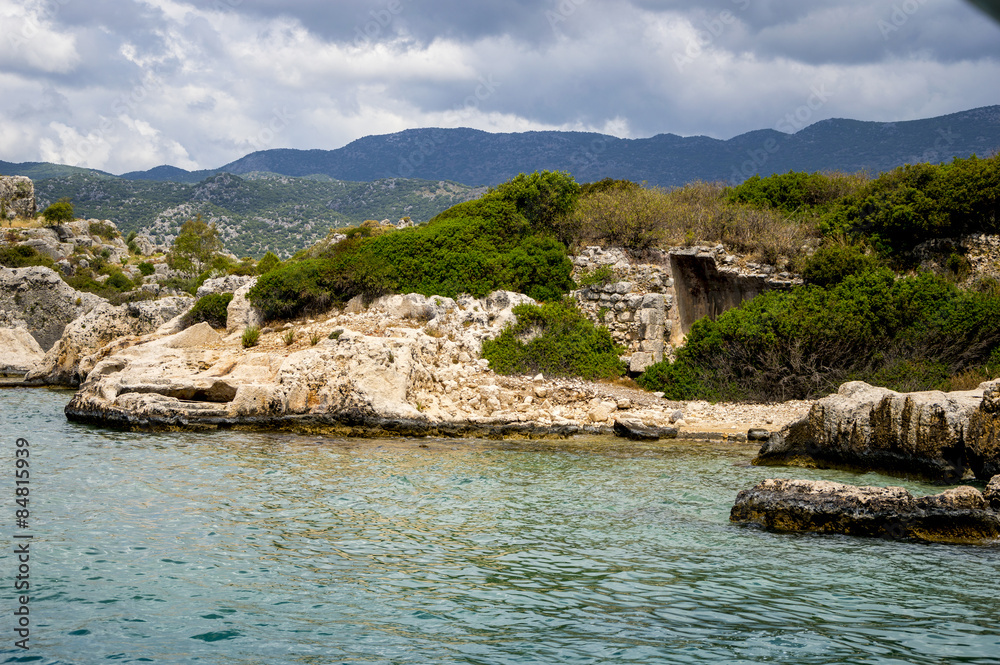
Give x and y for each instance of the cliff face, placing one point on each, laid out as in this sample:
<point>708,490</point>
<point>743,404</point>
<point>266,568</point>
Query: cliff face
<point>38,300</point>
<point>17,197</point>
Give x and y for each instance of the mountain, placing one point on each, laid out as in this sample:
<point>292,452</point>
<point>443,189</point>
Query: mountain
<point>475,157</point>
<point>255,212</point>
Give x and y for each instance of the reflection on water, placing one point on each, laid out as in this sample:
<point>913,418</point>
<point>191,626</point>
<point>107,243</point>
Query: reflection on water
<point>231,547</point>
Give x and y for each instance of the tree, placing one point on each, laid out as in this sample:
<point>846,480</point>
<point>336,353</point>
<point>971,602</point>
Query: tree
<point>60,211</point>
<point>195,246</point>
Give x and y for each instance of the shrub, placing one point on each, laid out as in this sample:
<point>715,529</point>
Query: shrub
<point>250,336</point>
<point>295,288</point>
<point>289,337</point>
<point>556,339</point>
<point>22,256</point>
<point>794,191</point>
<point>102,230</point>
<point>146,269</point>
<point>119,281</point>
<point>601,275</point>
<point>475,247</point>
<point>269,262</point>
<point>906,333</point>
<point>833,262</point>
<point>212,308</point>
<point>60,211</point>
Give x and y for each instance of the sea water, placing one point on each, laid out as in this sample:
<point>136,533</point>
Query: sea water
<point>231,547</point>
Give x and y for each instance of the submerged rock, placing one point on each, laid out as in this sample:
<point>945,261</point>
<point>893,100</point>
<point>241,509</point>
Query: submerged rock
<point>959,515</point>
<point>637,431</point>
<point>934,434</point>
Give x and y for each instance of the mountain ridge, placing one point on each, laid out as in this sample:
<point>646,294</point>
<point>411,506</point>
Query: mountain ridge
<point>476,157</point>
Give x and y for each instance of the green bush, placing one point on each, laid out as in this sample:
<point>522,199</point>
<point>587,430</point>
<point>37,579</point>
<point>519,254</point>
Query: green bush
<point>102,230</point>
<point>303,287</point>
<point>22,256</point>
<point>269,262</point>
<point>211,309</point>
<point>250,336</point>
<point>555,339</point>
<point>601,275</point>
<point>118,281</point>
<point>60,211</point>
<point>476,247</point>
<point>832,263</point>
<point>915,203</point>
<point>146,269</point>
<point>904,333</point>
<point>793,191</point>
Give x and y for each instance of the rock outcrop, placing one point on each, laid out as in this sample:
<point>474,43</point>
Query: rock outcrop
<point>407,364</point>
<point>933,434</point>
<point>240,314</point>
<point>19,352</point>
<point>90,236</point>
<point>43,301</point>
<point>227,284</point>
<point>100,332</point>
<point>17,197</point>
<point>959,515</point>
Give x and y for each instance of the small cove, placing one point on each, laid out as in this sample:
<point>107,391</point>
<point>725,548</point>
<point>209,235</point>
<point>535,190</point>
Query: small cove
<point>236,547</point>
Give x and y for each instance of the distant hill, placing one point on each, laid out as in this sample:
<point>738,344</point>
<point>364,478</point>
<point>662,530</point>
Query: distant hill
<point>475,157</point>
<point>255,212</point>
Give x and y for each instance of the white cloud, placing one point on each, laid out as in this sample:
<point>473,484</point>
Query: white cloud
<point>125,86</point>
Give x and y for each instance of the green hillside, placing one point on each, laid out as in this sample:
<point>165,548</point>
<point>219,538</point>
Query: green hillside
<point>255,212</point>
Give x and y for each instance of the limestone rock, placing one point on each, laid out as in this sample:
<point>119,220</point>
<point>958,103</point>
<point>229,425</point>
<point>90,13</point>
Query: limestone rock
<point>240,314</point>
<point>637,431</point>
<point>227,284</point>
<point>863,426</point>
<point>17,196</point>
<point>70,360</point>
<point>958,515</point>
<point>982,445</point>
<point>39,297</point>
<point>20,351</point>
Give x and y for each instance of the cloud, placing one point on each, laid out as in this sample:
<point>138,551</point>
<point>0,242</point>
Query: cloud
<point>125,86</point>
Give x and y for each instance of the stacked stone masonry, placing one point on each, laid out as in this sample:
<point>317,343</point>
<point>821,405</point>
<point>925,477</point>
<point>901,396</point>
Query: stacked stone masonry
<point>650,302</point>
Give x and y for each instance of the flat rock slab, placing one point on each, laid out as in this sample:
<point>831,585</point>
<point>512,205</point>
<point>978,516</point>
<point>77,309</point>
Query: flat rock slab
<point>959,515</point>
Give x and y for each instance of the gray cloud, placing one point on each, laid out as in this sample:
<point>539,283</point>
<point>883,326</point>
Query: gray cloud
<point>124,86</point>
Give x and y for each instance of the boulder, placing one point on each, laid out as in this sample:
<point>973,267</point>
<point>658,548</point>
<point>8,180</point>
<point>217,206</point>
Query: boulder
<point>20,351</point>
<point>17,196</point>
<point>240,314</point>
<point>637,431</point>
<point>958,515</point>
<point>227,284</point>
<point>40,298</point>
<point>862,426</point>
<point>982,446</point>
<point>77,352</point>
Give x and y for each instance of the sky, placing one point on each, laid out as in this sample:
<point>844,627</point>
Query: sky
<point>123,85</point>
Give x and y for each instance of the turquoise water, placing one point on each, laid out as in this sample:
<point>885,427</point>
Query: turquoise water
<point>231,547</point>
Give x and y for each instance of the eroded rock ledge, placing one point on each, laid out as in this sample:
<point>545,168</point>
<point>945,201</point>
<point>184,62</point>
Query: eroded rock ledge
<point>959,515</point>
<point>941,436</point>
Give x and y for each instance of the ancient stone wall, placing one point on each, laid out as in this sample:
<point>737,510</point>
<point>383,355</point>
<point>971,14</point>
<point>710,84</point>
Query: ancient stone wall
<point>649,303</point>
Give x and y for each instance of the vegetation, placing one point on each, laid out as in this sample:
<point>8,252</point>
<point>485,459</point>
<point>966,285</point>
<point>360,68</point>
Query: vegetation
<point>475,247</point>
<point>905,333</point>
<point>103,230</point>
<point>60,211</point>
<point>255,212</point>
<point>212,308</point>
<point>196,246</point>
<point>146,268</point>
<point>555,339</point>
<point>22,256</point>
<point>250,336</point>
